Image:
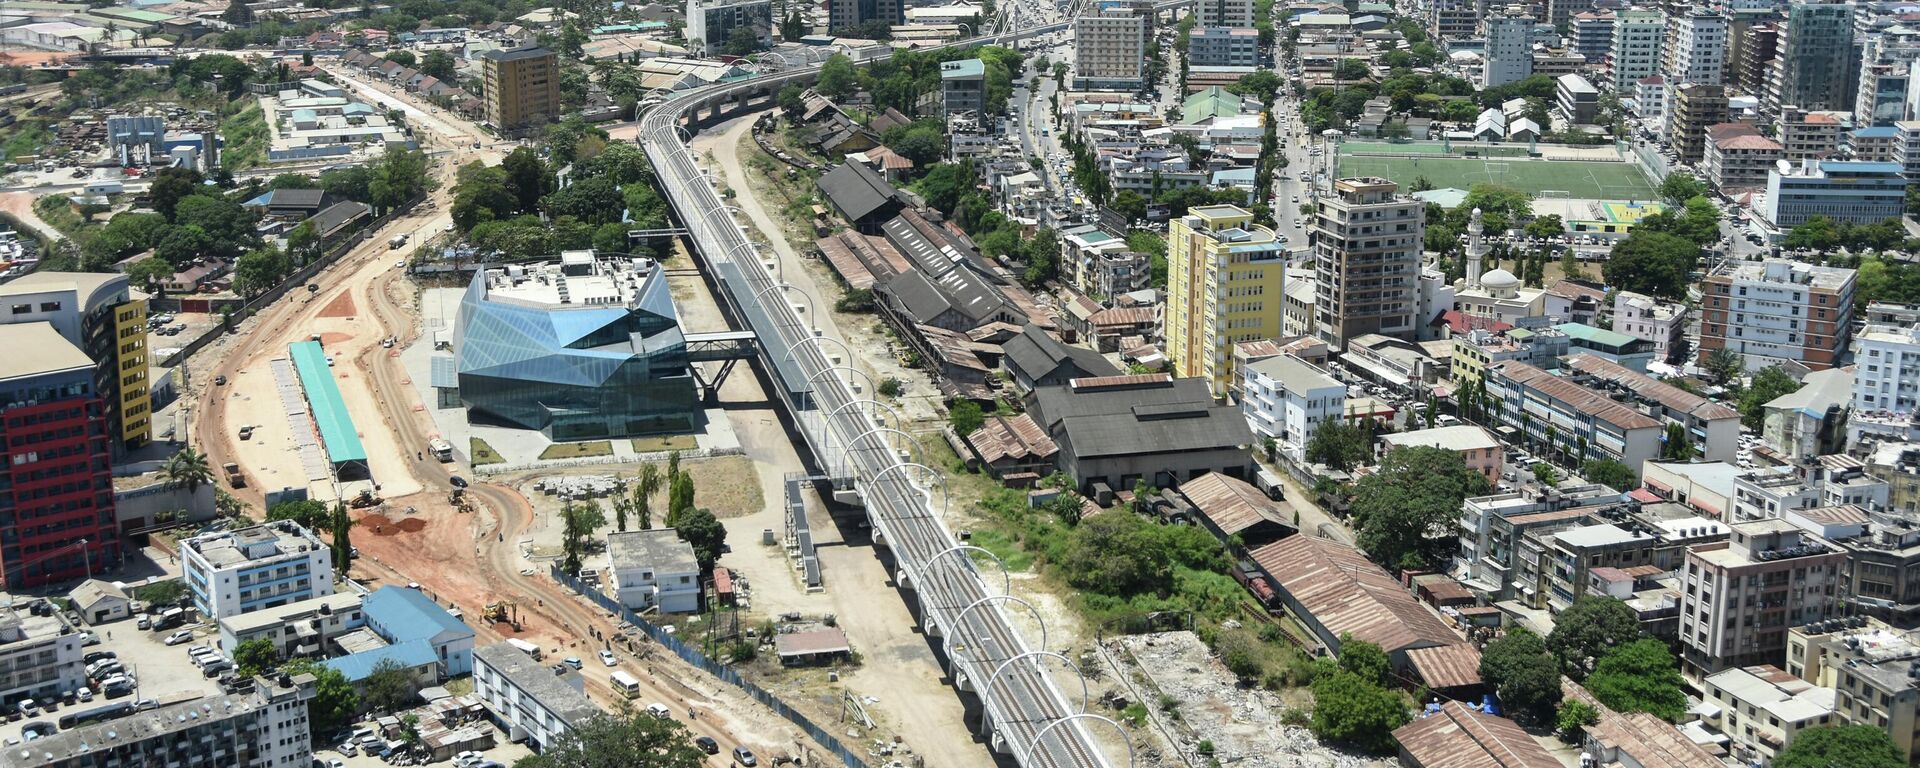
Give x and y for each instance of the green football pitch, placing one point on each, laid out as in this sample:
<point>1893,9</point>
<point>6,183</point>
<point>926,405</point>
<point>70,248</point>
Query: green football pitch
<point>1579,179</point>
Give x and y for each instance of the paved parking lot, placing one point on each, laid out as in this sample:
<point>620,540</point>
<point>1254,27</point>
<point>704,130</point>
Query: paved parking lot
<point>503,753</point>
<point>164,673</point>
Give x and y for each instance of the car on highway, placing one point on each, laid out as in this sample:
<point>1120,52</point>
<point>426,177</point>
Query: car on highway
<point>707,744</point>
<point>744,757</point>
<point>179,637</point>
<point>457,481</point>
<point>606,657</point>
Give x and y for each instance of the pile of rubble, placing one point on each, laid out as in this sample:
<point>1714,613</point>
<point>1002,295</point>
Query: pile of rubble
<point>1242,724</point>
<point>580,486</point>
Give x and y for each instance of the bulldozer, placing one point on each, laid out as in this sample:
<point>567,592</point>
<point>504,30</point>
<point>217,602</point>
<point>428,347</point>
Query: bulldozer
<point>501,611</point>
<point>364,500</point>
<point>458,498</point>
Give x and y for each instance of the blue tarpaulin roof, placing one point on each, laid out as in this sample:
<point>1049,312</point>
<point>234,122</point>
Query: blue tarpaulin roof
<point>409,655</point>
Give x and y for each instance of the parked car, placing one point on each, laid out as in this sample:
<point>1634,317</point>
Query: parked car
<point>348,749</point>
<point>606,657</point>
<point>572,661</point>
<point>744,757</point>
<point>707,744</point>
<point>182,636</point>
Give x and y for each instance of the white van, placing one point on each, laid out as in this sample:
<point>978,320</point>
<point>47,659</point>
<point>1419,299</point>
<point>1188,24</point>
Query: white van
<point>659,711</point>
<point>626,684</point>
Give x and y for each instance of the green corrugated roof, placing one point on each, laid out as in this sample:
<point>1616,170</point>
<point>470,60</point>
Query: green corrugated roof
<point>1589,333</point>
<point>337,434</point>
<point>1212,102</point>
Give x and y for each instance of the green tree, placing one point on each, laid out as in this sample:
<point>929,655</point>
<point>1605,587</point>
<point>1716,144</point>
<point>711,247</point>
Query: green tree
<point>1405,510</point>
<point>438,65</point>
<point>1610,473</point>
<point>259,270</point>
<point>619,740</point>
<point>1364,659</point>
<point>596,201</point>
<point>792,28</point>
<point>1573,718</point>
<point>741,41</point>
<point>1723,366</point>
<point>643,490</point>
<point>342,538</point>
<point>182,245</point>
<point>1852,746</point>
<point>965,416</point>
<point>1653,263</point>
<point>1771,382</point>
<point>309,513</point>
<point>838,79</point>
<point>1520,670</point>
<point>1641,676</point>
<point>254,656</point>
<point>397,176</point>
<point>527,178</point>
<point>1347,709</point>
<point>1586,630</point>
<point>334,700</point>
<point>704,533</point>
<point>1340,444</point>
<point>1678,188</point>
<point>679,497</point>
<point>389,687</point>
<point>186,468</point>
<point>403,58</point>
<point>578,521</point>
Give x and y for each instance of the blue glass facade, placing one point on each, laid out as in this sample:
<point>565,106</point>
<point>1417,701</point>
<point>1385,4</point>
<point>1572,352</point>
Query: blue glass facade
<point>575,372</point>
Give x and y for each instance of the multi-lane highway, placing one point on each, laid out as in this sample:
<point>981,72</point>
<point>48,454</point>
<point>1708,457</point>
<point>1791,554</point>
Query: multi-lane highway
<point>1031,718</point>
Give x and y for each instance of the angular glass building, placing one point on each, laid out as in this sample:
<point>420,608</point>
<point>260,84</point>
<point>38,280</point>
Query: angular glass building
<point>583,349</point>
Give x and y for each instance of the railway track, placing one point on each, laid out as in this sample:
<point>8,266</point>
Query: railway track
<point>1027,713</point>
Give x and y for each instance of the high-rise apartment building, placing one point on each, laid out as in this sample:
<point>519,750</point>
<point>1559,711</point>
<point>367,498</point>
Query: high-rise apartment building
<point>1592,35</point>
<point>1814,68</point>
<point>1694,108</point>
<point>1224,13</point>
<point>1561,12</point>
<point>711,25</point>
<point>1224,280</point>
<point>1740,38</point>
<point>1366,242</point>
<point>1809,135</point>
<point>1639,36</point>
<point>1110,49</point>
<point>101,315</point>
<point>1697,47</point>
<point>1887,374</point>
<point>1509,54</point>
<point>522,88</point>
<point>1741,596</point>
<point>1454,19</point>
<point>1778,310</point>
<point>56,506</point>
<point>963,86</point>
<point>1887,89</point>
<point>1759,47</point>
<point>845,14</point>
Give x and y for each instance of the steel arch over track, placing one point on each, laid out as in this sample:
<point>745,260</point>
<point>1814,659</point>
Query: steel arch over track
<point>1027,756</point>
<point>899,421</point>
<point>813,326</point>
<point>918,452</point>
<point>961,619</point>
<point>1005,575</point>
<point>1085,692</point>
<point>847,368</point>
<point>946,493</point>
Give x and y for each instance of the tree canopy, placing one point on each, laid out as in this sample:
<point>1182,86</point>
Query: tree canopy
<point>1520,670</point>
<point>1641,676</point>
<point>1586,630</point>
<point>1853,746</point>
<point>625,739</point>
<point>1340,444</point>
<point>704,533</point>
<point>1349,709</point>
<point>1769,383</point>
<point>1653,263</point>
<point>1404,511</point>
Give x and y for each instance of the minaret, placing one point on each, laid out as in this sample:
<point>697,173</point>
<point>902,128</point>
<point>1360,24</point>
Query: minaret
<point>1476,249</point>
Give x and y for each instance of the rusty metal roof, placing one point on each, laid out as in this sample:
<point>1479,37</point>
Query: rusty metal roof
<point>1343,591</point>
<point>1230,503</point>
<point>1014,437</point>
<point>1456,736</point>
<point>1446,666</point>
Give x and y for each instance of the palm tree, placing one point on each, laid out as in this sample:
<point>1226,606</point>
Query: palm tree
<point>643,490</point>
<point>187,469</point>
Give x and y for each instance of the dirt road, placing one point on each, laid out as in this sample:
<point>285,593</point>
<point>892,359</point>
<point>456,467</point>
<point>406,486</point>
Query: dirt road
<point>20,204</point>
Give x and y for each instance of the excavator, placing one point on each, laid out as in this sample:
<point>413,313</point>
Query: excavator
<point>501,611</point>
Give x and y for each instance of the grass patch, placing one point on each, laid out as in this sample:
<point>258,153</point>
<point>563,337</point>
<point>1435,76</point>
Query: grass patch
<point>245,131</point>
<point>26,137</point>
<point>58,213</point>
<point>1585,180</point>
<point>662,443</point>
<point>577,450</point>
<point>1004,547</point>
<point>729,486</point>
<point>483,454</point>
